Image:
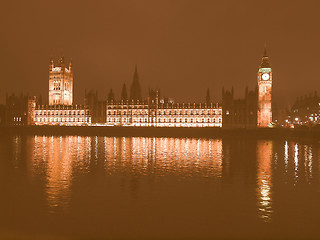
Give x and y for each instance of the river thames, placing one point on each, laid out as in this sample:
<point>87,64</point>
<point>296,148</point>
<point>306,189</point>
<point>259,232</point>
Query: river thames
<point>77,187</point>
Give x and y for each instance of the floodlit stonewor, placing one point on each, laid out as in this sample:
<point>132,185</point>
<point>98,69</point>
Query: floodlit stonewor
<point>255,110</point>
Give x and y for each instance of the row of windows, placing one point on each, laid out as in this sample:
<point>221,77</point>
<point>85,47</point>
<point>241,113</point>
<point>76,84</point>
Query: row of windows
<point>115,112</point>
<point>61,113</point>
<point>18,119</point>
<point>62,119</point>
<point>142,120</point>
<point>164,115</point>
<point>56,86</point>
<point>163,120</point>
<point>166,112</point>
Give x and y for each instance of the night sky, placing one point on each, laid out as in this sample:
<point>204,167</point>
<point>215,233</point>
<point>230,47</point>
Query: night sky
<point>182,47</point>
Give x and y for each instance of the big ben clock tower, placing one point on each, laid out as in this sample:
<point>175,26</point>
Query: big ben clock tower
<point>265,91</point>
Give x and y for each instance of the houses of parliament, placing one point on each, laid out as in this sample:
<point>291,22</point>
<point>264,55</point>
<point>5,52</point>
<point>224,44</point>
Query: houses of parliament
<point>132,110</point>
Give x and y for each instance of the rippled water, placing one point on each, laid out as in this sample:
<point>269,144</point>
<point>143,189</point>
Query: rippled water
<point>158,188</point>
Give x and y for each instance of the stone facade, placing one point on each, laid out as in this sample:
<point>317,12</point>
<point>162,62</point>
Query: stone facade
<point>60,83</point>
<point>156,113</point>
<point>265,92</point>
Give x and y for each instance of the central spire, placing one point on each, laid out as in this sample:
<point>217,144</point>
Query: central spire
<point>136,76</point>
<point>135,90</point>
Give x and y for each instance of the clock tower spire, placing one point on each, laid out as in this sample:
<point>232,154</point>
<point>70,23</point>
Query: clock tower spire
<point>265,91</point>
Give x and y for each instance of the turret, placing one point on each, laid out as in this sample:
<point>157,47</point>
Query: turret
<point>70,65</point>
<point>111,96</point>
<point>124,95</point>
<point>62,64</point>
<point>51,65</point>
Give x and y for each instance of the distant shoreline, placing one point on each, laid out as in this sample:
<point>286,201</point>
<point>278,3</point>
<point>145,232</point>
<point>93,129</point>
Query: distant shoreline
<point>208,132</point>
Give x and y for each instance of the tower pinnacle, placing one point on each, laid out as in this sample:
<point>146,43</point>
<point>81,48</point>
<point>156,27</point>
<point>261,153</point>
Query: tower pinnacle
<point>265,50</point>
<point>265,59</point>
<point>135,90</point>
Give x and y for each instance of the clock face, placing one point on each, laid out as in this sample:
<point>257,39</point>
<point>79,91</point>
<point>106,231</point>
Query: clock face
<point>265,76</point>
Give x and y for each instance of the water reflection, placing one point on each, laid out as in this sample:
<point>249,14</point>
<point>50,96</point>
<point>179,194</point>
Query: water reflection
<point>308,162</point>
<point>163,156</point>
<point>55,158</point>
<point>61,159</point>
<point>286,155</point>
<point>59,162</point>
<point>264,179</point>
<point>16,151</point>
<point>296,162</point>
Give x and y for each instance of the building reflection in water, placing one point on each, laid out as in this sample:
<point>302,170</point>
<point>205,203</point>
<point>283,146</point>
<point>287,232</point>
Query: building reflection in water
<point>286,156</point>
<point>308,162</point>
<point>164,156</point>
<point>296,163</point>
<point>55,158</point>
<point>58,160</point>
<point>16,151</point>
<point>264,179</point>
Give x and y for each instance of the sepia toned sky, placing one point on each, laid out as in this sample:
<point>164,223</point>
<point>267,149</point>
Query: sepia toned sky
<point>181,46</point>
